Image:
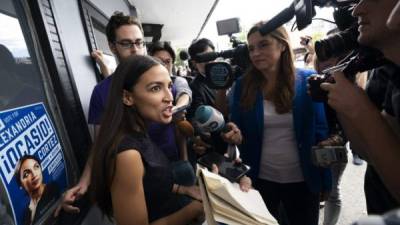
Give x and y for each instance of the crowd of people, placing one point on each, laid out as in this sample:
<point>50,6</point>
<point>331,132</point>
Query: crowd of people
<point>141,169</point>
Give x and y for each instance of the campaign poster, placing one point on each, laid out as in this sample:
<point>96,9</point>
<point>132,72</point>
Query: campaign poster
<point>32,163</point>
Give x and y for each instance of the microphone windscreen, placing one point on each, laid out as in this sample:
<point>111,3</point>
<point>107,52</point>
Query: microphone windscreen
<point>183,55</point>
<point>185,128</point>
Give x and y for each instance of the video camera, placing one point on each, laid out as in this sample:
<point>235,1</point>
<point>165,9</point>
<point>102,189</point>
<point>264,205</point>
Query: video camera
<point>358,59</point>
<point>220,75</point>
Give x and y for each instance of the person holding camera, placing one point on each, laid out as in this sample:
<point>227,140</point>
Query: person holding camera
<point>280,123</point>
<point>203,95</point>
<point>333,204</point>
<point>370,131</point>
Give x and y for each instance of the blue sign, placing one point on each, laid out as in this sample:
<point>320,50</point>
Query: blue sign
<point>32,164</point>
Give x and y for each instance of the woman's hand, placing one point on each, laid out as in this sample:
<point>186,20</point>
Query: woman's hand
<point>245,183</point>
<point>233,136</point>
<point>70,197</point>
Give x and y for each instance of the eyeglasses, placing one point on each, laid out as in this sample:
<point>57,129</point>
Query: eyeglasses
<point>129,44</point>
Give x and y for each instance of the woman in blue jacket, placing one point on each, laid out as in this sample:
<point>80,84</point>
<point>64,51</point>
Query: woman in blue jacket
<point>280,123</point>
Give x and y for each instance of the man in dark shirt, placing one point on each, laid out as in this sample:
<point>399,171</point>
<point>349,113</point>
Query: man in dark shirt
<point>203,95</point>
<point>379,90</point>
<point>370,131</point>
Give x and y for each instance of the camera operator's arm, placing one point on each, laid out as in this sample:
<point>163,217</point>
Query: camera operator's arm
<point>366,128</point>
<point>221,102</point>
<point>339,100</point>
<point>224,100</point>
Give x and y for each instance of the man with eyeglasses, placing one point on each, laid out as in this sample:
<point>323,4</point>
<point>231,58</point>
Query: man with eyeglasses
<point>125,38</point>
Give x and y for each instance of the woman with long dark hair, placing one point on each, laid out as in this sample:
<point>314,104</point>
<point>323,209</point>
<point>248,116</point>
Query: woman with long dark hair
<point>131,178</point>
<point>280,123</point>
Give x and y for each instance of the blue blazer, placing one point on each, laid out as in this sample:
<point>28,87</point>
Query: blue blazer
<point>310,128</point>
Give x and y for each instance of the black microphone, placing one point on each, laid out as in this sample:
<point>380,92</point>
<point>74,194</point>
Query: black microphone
<point>184,55</point>
<point>283,17</point>
<point>210,56</point>
<point>205,57</point>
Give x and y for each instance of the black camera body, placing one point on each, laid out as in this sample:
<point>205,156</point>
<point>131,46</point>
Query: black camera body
<point>365,58</point>
<point>343,41</point>
<point>220,75</point>
<point>314,82</point>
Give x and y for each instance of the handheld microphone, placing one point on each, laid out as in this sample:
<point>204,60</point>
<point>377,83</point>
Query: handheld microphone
<point>184,55</point>
<point>185,128</point>
<point>183,125</point>
<point>236,52</point>
<point>208,119</point>
<point>302,9</point>
<point>206,57</point>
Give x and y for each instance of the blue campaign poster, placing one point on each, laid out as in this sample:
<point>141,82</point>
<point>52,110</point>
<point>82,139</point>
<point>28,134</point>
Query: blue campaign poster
<point>32,164</point>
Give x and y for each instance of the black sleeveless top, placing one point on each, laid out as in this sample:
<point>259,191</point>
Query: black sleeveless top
<point>157,180</point>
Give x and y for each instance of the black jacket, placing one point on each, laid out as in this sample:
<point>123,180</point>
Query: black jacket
<point>203,95</point>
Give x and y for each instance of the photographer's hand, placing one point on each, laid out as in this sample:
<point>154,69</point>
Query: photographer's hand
<point>344,96</point>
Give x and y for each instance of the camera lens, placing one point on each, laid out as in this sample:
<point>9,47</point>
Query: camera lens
<point>337,44</point>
